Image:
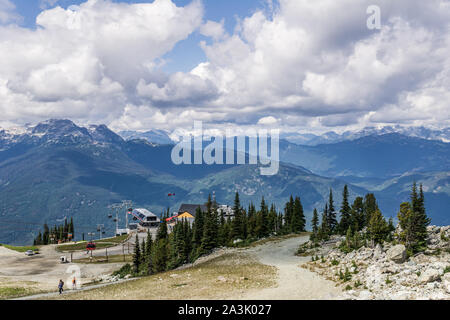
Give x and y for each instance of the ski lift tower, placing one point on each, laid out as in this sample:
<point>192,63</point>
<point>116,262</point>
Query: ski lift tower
<point>115,207</point>
<point>127,204</point>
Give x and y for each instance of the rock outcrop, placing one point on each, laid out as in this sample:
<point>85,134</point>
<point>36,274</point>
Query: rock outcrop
<point>397,253</point>
<point>385,272</point>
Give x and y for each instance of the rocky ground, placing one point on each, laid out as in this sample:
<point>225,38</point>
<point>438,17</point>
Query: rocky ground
<point>385,272</point>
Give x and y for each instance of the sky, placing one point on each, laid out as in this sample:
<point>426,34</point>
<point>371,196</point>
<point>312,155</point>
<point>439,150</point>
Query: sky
<point>297,65</point>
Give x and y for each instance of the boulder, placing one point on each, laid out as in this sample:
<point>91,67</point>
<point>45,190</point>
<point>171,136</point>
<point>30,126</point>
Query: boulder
<point>429,275</point>
<point>366,295</point>
<point>397,253</point>
<point>446,282</point>
<point>378,252</point>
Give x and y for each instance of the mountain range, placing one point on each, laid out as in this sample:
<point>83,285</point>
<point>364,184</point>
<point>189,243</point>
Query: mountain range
<point>57,168</point>
<point>309,139</point>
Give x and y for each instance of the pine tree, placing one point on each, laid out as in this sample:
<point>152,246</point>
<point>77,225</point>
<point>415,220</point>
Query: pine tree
<point>46,235</point>
<point>406,220</point>
<point>209,239</point>
<point>187,240</point>
<point>298,217</point>
<point>332,221</point>
<point>377,227</point>
<point>136,256</point>
<point>222,236</point>
<point>252,221</point>
<point>160,256</point>
<point>324,231</point>
<point>143,252</point>
<point>288,214</point>
<point>345,211</point>
<point>370,207</point>
<point>261,220</point>
<point>197,233</point>
<point>348,238</point>
<point>280,223</point>
<point>38,240</point>
<point>162,229</point>
<point>414,221</point>
<point>272,219</point>
<point>148,253</point>
<point>237,229</point>
<point>422,221</point>
<point>357,214</point>
<point>315,225</point>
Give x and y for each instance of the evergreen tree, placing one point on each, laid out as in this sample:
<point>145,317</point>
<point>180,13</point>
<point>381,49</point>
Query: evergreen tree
<point>197,233</point>
<point>298,217</point>
<point>261,220</point>
<point>414,221</point>
<point>237,222</point>
<point>148,253</point>
<point>252,221</point>
<point>272,219</point>
<point>143,252</point>
<point>315,225</point>
<point>357,214</point>
<point>187,240</point>
<point>46,235</point>
<point>422,221</point>
<point>288,214</point>
<point>370,207</point>
<point>72,228</point>
<point>162,229</point>
<point>332,221</point>
<point>377,227</point>
<point>38,240</point>
<point>136,256</point>
<point>324,231</point>
<point>160,255</point>
<point>345,211</point>
<point>222,236</point>
<point>209,239</point>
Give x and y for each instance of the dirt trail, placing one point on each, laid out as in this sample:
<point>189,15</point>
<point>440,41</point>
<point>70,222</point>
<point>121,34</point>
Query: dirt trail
<point>294,282</point>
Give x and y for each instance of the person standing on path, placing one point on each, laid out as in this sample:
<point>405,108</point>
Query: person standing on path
<point>74,283</point>
<point>61,286</point>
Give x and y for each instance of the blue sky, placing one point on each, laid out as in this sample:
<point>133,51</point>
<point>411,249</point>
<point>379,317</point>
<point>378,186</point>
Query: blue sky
<point>187,53</point>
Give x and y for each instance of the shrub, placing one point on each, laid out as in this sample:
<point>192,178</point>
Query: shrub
<point>122,272</point>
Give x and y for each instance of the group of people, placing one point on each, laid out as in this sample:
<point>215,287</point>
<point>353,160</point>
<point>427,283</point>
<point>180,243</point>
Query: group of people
<point>61,285</point>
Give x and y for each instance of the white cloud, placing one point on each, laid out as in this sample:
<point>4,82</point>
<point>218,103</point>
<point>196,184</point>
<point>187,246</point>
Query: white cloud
<point>8,12</point>
<point>319,58</point>
<point>294,64</point>
<point>268,121</point>
<point>213,29</point>
<point>88,57</point>
<point>44,4</point>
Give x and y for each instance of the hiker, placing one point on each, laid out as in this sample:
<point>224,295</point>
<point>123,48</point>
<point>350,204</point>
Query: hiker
<point>60,286</point>
<point>74,283</point>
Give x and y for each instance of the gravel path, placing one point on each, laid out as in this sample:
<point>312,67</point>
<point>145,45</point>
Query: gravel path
<point>294,282</point>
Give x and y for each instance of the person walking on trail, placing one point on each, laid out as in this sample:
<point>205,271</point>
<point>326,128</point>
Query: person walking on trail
<point>61,286</point>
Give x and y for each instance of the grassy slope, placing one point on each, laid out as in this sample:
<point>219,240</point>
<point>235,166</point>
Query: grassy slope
<point>20,249</point>
<point>200,282</point>
<point>100,244</point>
